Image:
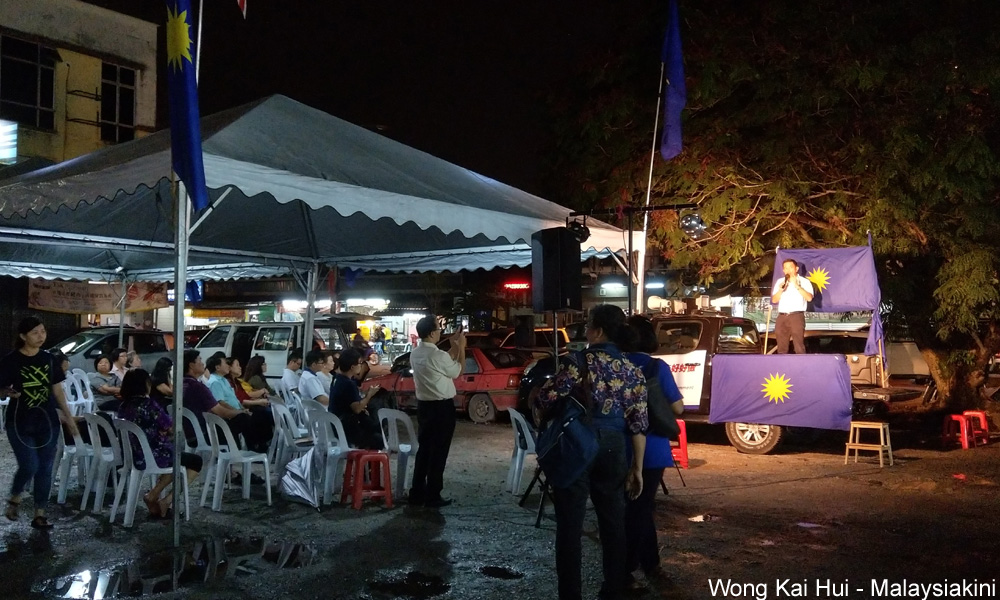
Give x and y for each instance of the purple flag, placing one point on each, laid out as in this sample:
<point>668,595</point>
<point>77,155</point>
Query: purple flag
<point>676,92</point>
<point>843,280</point>
<point>807,390</point>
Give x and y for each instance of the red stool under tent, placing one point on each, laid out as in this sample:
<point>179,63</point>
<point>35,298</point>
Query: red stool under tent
<point>359,484</point>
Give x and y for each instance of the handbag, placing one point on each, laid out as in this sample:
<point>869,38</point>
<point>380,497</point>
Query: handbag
<point>662,421</point>
<point>568,445</point>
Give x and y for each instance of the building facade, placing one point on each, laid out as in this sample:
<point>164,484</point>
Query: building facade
<point>74,77</point>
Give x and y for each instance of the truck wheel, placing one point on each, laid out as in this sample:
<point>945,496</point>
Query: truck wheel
<point>751,438</point>
<point>481,409</point>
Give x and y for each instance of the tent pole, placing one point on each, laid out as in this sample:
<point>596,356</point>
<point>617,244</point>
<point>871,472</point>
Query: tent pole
<point>631,306</point>
<point>121,314</point>
<point>640,288</point>
<point>307,328</point>
<point>182,205</point>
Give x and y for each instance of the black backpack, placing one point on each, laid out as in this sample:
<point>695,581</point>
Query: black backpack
<point>662,421</point>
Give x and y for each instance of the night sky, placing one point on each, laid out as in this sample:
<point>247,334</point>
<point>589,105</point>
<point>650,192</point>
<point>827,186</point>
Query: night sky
<point>465,81</point>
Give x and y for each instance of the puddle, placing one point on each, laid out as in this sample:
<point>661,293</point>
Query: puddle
<point>210,559</point>
<point>415,585</point>
<point>500,573</point>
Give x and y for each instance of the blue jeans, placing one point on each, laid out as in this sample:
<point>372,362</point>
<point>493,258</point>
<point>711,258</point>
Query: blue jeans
<point>604,482</point>
<point>34,443</point>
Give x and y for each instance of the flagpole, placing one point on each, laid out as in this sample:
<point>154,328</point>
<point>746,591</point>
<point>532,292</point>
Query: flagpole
<point>641,258</point>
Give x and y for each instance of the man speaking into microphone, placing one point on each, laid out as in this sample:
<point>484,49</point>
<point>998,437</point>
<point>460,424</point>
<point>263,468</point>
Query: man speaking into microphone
<point>791,294</point>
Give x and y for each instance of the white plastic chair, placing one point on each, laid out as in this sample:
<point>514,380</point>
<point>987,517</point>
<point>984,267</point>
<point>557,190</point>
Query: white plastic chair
<point>524,445</point>
<point>229,453</point>
<point>294,442</point>
<point>135,476</point>
<point>79,453</point>
<point>106,460</point>
<point>309,407</point>
<point>74,402</point>
<point>84,391</point>
<point>279,386</point>
<point>332,441</point>
<point>390,419</point>
<point>202,448</point>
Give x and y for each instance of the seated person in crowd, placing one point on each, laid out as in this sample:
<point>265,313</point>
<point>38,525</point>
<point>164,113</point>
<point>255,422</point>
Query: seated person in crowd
<point>254,374</point>
<point>119,363</point>
<point>151,416</point>
<point>163,381</point>
<point>310,385</point>
<point>105,384</point>
<point>290,378</point>
<point>247,396</point>
<point>133,361</point>
<point>362,429</point>
<point>199,399</point>
<point>218,369</point>
<point>326,373</point>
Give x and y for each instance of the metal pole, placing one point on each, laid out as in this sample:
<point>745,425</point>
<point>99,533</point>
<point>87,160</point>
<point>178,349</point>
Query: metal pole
<point>641,260</point>
<point>629,264</point>
<point>307,327</point>
<point>121,314</point>
<point>182,205</point>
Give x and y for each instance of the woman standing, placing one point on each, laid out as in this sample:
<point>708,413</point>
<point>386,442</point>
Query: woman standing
<point>30,377</point>
<point>154,421</point>
<point>617,396</point>
<point>642,547</point>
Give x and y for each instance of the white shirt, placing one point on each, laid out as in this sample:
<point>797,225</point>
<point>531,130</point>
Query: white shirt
<point>434,372</point>
<point>120,373</point>
<point>291,379</point>
<point>327,380</point>
<point>310,386</point>
<point>791,299</point>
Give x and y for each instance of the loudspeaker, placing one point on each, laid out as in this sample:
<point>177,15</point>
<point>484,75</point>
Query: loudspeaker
<point>555,270</point>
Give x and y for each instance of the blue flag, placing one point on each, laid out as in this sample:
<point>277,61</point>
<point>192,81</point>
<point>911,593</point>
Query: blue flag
<point>185,133</point>
<point>800,390</point>
<point>843,280</point>
<point>676,92</point>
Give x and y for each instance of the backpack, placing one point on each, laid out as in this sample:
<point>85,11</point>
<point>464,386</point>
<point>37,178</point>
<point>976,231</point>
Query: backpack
<point>662,421</point>
<point>568,445</point>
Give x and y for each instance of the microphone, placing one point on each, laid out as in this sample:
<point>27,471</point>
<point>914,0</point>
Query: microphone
<point>785,286</point>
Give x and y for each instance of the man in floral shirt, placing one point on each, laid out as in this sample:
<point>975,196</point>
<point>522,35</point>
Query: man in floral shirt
<point>617,407</point>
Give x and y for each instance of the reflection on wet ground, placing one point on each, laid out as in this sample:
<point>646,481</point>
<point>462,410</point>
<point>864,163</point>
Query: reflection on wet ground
<point>208,560</point>
<point>414,584</point>
<point>500,572</point>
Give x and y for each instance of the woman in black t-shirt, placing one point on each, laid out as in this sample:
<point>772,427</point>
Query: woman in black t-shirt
<point>30,377</point>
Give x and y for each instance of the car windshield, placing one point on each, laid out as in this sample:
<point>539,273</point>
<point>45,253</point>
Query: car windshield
<point>80,341</point>
<point>676,337</point>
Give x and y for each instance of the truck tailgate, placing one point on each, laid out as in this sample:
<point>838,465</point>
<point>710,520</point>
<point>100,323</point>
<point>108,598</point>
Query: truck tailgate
<point>887,394</point>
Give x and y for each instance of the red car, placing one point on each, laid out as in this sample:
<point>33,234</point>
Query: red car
<point>488,383</point>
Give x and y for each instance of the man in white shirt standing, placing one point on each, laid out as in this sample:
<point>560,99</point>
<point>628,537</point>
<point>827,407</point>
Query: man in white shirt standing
<point>434,373</point>
<point>792,294</point>
<point>290,378</point>
<point>310,385</point>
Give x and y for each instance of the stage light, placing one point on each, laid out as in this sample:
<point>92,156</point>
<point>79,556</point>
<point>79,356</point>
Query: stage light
<point>693,225</point>
<point>580,231</point>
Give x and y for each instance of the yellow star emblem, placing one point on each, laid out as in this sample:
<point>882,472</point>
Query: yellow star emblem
<point>819,277</point>
<point>777,388</point>
<point>178,38</point>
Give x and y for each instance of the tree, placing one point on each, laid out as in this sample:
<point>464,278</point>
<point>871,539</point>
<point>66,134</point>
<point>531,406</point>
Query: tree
<point>808,125</point>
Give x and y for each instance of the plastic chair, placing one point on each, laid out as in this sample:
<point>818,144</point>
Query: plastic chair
<point>979,426</point>
<point>202,448</point>
<point>135,476</point>
<point>524,445</point>
<point>331,441</point>
<point>359,485</point>
<point>106,460</point>
<point>679,449</point>
<point>85,391</point>
<point>958,428</point>
<point>389,419</point>
<point>310,407</point>
<point>66,455</point>
<point>228,454</point>
<point>294,442</point>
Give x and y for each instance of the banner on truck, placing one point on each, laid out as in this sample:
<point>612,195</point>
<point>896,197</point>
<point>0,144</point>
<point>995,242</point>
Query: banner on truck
<point>689,374</point>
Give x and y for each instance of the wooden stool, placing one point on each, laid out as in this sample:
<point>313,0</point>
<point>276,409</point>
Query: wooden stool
<point>854,441</point>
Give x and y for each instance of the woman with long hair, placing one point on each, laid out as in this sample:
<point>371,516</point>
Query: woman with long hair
<point>162,381</point>
<point>31,379</point>
<point>152,418</point>
<point>254,374</point>
<point>617,409</point>
<point>245,393</point>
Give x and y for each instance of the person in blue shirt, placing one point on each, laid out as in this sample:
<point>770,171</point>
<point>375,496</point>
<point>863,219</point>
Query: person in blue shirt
<point>641,544</point>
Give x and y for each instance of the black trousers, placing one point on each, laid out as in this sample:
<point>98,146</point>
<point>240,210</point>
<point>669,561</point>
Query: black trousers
<point>604,482</point>
<point>641,546</point>
<point>436,422</point>
<point>790,326</point>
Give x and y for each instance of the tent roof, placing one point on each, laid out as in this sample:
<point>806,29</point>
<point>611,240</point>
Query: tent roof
<point>290,186</point>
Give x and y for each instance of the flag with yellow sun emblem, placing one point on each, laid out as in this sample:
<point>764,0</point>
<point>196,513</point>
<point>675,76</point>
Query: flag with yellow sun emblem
<point>810,390</point>
<point>843,280</point>
<point>185,130</point>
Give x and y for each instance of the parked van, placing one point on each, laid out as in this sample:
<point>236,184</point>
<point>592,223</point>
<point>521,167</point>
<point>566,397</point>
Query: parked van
<point>83,347</point>
<point>274,341</point>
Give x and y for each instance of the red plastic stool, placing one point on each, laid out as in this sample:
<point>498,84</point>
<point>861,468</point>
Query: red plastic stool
<point>957,428</point>
<point>360,485</point>
<point>980,427</point>
<point>679,452</point>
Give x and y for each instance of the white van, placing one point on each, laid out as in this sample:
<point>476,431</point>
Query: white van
<point>274,341</point>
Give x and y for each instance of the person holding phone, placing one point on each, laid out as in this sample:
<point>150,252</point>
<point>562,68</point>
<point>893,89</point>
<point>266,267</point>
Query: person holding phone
<point>434,373</point>
<point>31,379</point>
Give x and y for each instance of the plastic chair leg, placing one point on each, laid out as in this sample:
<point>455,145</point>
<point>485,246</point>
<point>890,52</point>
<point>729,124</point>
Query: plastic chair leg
<point>518,472</point>
<point>64,469</point>
<point>210,467</point>
<point>119,490</point>
<point>510,470</point>
<point>133,497</point>
<point>246,481</point>
<point>91,477</point>
<point>267,477</point>
<point>220,474</point>
<point>402,464</point>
